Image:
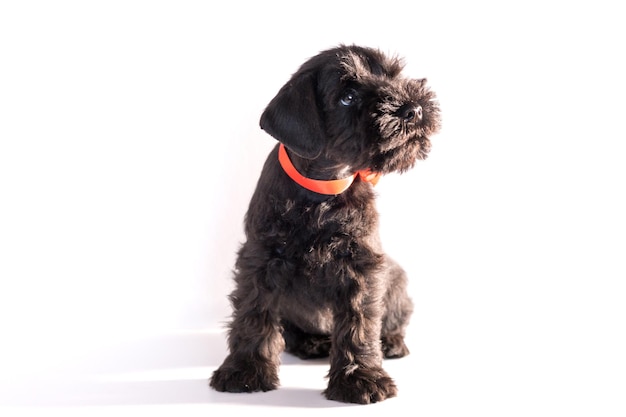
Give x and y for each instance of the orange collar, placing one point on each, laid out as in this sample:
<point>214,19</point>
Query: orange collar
<point>328,187</point>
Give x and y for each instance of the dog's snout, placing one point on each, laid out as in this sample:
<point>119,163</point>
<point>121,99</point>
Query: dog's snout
<point>411,113</point>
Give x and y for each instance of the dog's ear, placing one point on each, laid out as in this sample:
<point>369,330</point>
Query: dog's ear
<point>293,116</point>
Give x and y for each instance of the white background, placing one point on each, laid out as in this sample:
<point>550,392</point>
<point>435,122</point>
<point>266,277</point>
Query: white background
<point>129,148</point>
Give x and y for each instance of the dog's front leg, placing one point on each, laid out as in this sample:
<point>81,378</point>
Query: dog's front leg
<point>254,340</point>
<point>356,374</point>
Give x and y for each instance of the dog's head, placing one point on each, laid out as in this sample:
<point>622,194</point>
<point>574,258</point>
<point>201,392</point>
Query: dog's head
<point>352,106</point>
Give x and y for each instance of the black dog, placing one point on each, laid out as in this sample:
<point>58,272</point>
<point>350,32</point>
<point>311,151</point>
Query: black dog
<point>312,277</point>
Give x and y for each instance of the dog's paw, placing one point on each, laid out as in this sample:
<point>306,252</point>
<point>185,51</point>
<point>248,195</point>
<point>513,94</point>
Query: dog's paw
<point>361,387</point>
<point>243,378</point>
<point>394,347</point>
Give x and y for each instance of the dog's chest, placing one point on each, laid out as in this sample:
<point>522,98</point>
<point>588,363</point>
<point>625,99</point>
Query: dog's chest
<point>326,235</point>
<point>327,220</point>
<point>323,249</point>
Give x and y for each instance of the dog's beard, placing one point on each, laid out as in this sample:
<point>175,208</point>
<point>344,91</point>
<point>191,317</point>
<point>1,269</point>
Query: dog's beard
<point>395,133</point>
<point>403,157</point>
<point>400,144</point>
<point>390,145</point>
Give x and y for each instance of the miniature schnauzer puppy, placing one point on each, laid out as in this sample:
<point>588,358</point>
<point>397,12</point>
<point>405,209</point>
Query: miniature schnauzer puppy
<point>312,277</point>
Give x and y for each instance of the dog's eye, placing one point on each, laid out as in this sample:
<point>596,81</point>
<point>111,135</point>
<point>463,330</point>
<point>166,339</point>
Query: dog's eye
<point>349,97</point>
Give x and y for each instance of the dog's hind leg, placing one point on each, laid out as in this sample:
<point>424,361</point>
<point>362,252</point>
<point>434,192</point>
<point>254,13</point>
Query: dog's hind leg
<point>305,345</point>
<point>398,311</point>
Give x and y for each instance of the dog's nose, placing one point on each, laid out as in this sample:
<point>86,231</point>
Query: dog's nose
<point>412,114</point>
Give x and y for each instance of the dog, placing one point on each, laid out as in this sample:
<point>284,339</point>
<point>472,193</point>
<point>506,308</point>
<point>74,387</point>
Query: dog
<point>311,277</point>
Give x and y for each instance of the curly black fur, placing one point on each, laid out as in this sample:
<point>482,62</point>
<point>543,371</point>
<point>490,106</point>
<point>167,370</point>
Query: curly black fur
<point>312,277</point>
